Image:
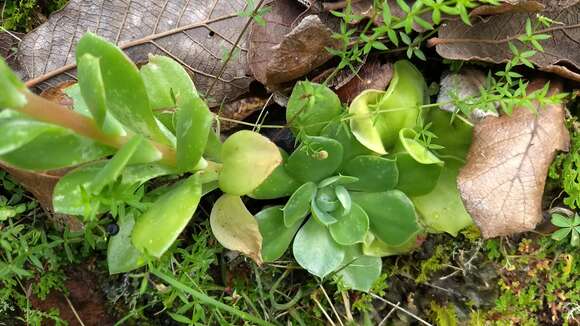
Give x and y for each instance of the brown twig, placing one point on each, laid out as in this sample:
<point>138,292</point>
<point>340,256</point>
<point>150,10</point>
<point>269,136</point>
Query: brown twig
<point>439,41</point>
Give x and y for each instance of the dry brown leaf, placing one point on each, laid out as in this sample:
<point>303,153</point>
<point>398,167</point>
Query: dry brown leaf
<point>487,40</point>
<point>503,181</point>
<point>372,75</point>
<point>287,47</point>
<point>301,50</point>
<point>239,110</point>
<point>521,6</point>
<point>197,33</point>
<point>40,184</point>
<point>279,22</point>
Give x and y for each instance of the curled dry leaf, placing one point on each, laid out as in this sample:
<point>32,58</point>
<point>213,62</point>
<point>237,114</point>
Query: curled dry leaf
<point>236,228</point>
<point>503,181</point>
<point>284,49</point>
<point>372,75</point>
<point>197,33</point>
<point>41,186</point>
<point>485,41</point>
<point>239,110</point>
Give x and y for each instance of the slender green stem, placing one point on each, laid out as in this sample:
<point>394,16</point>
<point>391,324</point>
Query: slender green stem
<point>208,300</point>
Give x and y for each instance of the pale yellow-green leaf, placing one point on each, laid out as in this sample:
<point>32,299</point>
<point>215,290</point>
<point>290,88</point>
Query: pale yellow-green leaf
<point>235,227</point>
<point>248,159</point>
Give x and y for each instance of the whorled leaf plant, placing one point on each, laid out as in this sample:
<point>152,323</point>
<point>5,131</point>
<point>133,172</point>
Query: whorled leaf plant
<point>365,183</point>
<point>129,126</point>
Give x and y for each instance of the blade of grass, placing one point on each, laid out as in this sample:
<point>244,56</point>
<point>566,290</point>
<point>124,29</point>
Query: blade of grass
<point>208,300</point>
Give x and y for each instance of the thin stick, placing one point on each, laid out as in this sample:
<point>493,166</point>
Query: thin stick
<point>231,53</point>
<point>389,314</point>
<point>346,302</point>
<point>323,311</point>
<point>396,306</point>
<point>74,311</point>
<point>331,305</point>
<point>11,34</point>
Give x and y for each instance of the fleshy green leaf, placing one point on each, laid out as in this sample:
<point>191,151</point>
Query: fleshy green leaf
<point>340,131</point>
<point>166,80</point>
<point>158,228</point>
<point>391,214</point>
<point>315,250</point>
<point>111,171</point>
<point>68,197</point>
<point>344,198</point>
<point>58,148</point>
<point>350,228</point>
<point>378,116</point>
<point>126,96</point>
<point>278,184</point>
<point>12,96</point>
<point>362,122</point>
<point>248,159</point>
<point>416,179</point>
<point>453,131</point>
<point>359,271</point>
<point>321,215</point>
<point>315,159</point>
<point>337,180</point>
<point>310,107</point>
<point>442,209</point>
<point>194,122</point>
<point>375,173</point>
<point>92,87</point>
<point>419,152</point>
<point>16,132</point>
<point>110,125</point>
<point>298,206</point>
<point>235,228</point>
<point>276,237</point>
<point>376,248</point>
<point>122,256</point>
<point>213,148</point>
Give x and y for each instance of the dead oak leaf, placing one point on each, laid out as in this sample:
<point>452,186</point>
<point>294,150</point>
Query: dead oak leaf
<point>196,33</point>
<point>503,181</point>
<point>487,39</point>
<point>372,75</point>
<point>288,47</point>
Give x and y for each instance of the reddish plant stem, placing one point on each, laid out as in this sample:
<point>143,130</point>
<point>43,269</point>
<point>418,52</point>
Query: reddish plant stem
<point>46,111</point>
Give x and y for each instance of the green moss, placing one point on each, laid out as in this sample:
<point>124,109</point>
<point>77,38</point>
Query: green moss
<point>24,15</point>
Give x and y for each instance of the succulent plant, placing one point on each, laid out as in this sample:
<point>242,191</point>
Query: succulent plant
<point>353,179</point>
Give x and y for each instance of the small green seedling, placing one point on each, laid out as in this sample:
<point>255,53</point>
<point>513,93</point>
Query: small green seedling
<point>568,226</point>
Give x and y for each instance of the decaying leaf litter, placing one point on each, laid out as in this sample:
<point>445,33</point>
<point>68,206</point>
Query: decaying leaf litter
<point>297,48</point>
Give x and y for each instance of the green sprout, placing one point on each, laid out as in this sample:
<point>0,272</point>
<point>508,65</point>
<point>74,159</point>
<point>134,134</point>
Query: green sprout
<point>568,226</point>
